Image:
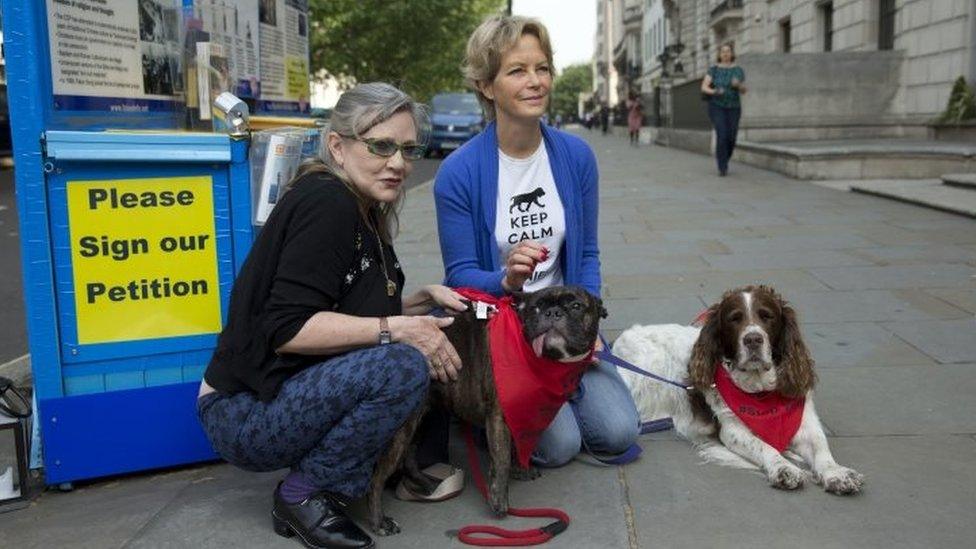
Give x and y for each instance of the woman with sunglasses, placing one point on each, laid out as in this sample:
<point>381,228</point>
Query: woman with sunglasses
<point>517,211</point>
<point>323,358</point>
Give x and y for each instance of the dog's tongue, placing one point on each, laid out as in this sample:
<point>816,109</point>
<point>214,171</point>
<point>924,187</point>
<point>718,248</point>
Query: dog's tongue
<point>538,344</point>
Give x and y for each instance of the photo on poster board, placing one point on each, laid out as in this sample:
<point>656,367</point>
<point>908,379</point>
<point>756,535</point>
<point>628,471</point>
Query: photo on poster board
<point>284,64</point>
<point>116,55</point>
<point>233,23</point>
<point>213,75</point>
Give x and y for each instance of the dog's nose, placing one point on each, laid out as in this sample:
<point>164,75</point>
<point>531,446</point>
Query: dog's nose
<point>553,313</point>
<point>752,341</point>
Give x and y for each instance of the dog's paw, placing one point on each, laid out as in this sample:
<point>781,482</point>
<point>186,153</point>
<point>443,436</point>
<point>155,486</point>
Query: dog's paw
<point>387,527</point>
<point>786,477</point>
<point>842,481</point>
<point>499,506</point>
<point>529,473</point>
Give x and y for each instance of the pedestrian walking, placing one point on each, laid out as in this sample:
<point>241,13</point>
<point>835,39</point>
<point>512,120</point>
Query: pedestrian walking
<point>604,118</point>
<point>322,358</point>
<point>724,83</point>
<point>635,117</point>
<point>517,211</point>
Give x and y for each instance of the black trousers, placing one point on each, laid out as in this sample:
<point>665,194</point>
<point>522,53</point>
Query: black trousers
<point>726,124</point>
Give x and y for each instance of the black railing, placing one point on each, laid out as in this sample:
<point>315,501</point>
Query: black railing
<point>725,6</point>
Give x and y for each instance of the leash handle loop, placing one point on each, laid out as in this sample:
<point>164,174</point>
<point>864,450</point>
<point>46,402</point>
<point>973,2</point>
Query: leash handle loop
<point>481,534</point>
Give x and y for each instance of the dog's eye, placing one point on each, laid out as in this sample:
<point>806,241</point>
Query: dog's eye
<point>765,315</point>
<point>577,306</point>
<point>735,317</point>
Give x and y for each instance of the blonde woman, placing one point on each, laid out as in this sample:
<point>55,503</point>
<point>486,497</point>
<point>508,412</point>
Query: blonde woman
<point>517,211</point>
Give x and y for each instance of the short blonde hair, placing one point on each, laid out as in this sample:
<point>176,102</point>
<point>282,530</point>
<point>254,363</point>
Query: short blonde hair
<point>489,43</point>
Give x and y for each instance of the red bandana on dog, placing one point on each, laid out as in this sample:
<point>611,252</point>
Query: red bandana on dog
<point>771,416</point>
<point>531,388</point>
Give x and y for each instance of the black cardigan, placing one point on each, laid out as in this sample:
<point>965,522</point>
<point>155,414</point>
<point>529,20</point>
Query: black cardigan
<point>315,253</point>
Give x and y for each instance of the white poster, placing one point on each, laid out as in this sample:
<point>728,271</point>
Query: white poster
<point>284,55</point>
<point>115,55</point>
<point>234,24</point>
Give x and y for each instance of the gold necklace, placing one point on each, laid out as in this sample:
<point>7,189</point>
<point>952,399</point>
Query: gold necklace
<point>391,286</point>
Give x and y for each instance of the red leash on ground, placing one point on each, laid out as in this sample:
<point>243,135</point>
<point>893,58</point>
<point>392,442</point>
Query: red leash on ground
<point>479,534</point>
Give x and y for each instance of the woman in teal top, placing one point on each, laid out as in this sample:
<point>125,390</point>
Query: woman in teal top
<point>724,83</point>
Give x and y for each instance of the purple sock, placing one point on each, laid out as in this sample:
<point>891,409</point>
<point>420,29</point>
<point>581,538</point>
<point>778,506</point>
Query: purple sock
<point>296,488</point>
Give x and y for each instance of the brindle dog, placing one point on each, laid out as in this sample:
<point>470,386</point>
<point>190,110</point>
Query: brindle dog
<point>561,322</point>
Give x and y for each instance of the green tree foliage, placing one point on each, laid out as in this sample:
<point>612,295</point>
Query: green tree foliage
<point>962,104</point>
<point>565,90</point>
<point>417,45</point>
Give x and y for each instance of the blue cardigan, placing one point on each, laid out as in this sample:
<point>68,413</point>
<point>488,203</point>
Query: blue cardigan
<point>465,194</point>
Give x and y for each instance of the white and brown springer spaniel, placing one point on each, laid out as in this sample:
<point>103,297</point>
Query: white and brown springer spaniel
<point>753,334</point>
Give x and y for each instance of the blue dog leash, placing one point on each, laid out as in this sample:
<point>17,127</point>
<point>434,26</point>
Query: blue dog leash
<point>617,361</point>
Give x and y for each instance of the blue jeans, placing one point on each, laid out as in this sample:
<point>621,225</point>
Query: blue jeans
<point>609,422</point>
<point>330,421</point>
<point>726,124</point>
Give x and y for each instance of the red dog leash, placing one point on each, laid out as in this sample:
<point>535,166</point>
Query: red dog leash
<point>479,534</point>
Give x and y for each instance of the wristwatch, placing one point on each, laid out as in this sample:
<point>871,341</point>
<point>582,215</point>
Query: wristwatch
<point>384,331</point>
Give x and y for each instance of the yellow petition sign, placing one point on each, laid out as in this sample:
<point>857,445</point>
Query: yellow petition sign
<point>143,257</point>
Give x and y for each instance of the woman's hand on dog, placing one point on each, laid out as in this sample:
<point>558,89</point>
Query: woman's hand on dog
<point>446,298</point>
<point>521,262</point>
<point>425,333</point>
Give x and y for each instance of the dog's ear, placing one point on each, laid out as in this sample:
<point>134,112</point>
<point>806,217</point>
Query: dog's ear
<point>518,298</point>
<point>601,308</point>
<point>795,374</point>
<point>707,351</point>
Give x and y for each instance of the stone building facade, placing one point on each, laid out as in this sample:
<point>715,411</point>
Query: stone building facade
<point>817,68</point>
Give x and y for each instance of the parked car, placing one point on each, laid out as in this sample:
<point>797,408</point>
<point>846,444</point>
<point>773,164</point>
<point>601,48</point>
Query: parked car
<point>455,118</point>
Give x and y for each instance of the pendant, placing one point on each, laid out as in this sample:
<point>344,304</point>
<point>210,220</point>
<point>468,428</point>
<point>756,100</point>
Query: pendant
<point>390,288</point>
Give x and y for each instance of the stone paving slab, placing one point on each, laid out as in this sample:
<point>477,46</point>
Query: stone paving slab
<point>898,400</point>
<point>948,341</point>
<point>709,283</point>
<point>919,493</point>
<point>844,344</point>
<point>923,192</point>
<point>871,306</point>
<point>240,504</point>
<point>962,180</point>
<point>664,264</point>
<point>614,246</point>
<point>964,299</point>
<point>624,313</point>
<point>906,255</point>
<point>777,244</point>
<point>106,514</point>
<point>784,260</point>
<point>897,276</point>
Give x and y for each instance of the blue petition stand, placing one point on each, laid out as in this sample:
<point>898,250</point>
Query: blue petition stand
<point>107,402</point>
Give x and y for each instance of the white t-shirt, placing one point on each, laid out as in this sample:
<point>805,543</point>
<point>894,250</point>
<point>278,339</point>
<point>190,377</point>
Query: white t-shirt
<point>529,208</point>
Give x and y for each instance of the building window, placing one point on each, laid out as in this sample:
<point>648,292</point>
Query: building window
<point>827,17</point>
<point>886,24</point>
<point>784,35</point>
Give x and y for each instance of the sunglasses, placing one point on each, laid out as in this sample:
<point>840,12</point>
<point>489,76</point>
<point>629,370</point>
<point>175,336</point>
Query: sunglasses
<point>388,147</point>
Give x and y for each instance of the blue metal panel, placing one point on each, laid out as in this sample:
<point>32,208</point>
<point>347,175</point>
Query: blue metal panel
<point>125,380</point>
<point>240,204</point>
<point>134,147</point>
<point>28,93</point>
<point>163,376</point>
<point>83,385</point>
<point>122,431</point>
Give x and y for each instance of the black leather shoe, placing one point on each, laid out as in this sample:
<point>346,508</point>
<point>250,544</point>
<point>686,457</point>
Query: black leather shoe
<point>319,521</point>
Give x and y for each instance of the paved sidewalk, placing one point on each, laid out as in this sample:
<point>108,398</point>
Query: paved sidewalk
<point>886,294</point>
